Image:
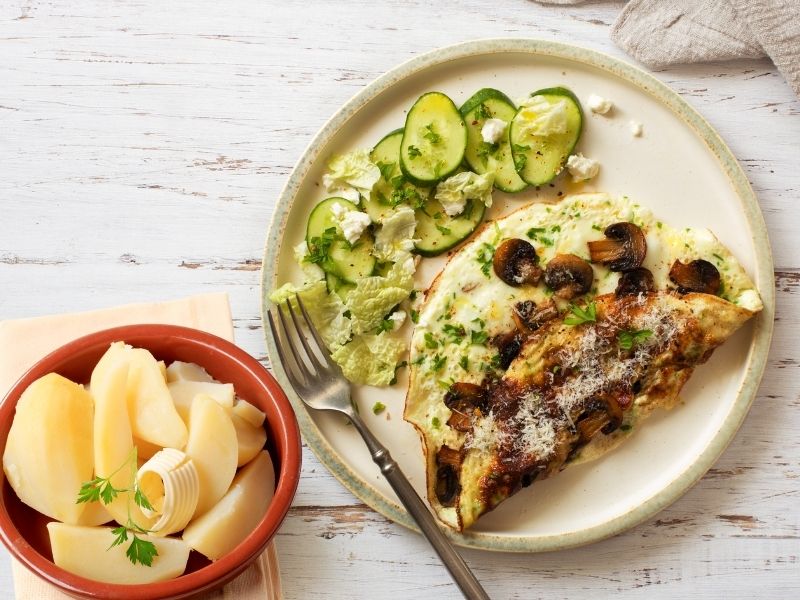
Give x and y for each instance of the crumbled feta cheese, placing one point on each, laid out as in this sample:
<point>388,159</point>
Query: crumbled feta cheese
<point>398,318</point>
<point>352,222</point>
<point>338,211</point>
<point>636,129</point>
<point>598,104</point>
<point>493,130</point>
<point>582,168</point>
<point>537,117</point>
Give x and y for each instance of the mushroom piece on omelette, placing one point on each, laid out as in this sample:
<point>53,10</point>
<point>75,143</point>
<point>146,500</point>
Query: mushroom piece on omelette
<point>549,337</point>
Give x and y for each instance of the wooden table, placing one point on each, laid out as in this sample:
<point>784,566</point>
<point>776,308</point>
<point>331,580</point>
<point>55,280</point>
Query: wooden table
<point>143,144</point>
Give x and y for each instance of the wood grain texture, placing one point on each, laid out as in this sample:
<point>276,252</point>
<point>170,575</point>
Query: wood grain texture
<point>143,144</point>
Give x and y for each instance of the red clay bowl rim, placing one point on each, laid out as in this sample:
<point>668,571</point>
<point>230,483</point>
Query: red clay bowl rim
<point>287,438</point>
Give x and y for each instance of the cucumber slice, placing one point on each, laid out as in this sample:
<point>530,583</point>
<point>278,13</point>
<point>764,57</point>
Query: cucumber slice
<point>483,157</point>
<point>539,159</point>
<point>392,188</point>
<point>434,140</point>
<point>337,286</point>
<point>439,233</point>
<point>348,263</point>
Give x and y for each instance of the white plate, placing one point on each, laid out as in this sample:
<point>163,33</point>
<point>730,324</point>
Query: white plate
<point>679,168</point>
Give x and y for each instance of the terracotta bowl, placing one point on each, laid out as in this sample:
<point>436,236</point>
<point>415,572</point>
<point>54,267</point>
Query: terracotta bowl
<point>23,530</point>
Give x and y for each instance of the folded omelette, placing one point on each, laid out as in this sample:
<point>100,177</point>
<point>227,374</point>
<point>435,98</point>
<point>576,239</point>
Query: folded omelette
<point>549,338</point>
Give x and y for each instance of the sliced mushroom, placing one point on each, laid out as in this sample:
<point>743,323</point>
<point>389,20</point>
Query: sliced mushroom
<point>568,276</point>
<point>448,463</point>
<point>614,411</point>
<point>516,263</point>
<point>508,345</point>
<point>529,317</point>
<point>633,283</point>
<point>623,249</point>
<point>696,276</point>
<point>464,400</point>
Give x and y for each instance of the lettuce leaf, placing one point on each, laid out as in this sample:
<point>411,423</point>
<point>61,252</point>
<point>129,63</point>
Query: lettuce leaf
<point>395,238</point>
<point>373,297</point>
<point>453,192</point>
<point>326,310</point>
<point>351,171</point>
<point>370,359</point>
<point>537,117</point>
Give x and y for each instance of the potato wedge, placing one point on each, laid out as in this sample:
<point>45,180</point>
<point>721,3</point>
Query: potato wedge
<point>230,521</point>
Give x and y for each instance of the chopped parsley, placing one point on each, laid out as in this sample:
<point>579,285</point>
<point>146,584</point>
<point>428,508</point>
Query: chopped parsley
<point>485,258</point>
<point>443,230</point>
<point>581,315</point>
<point>413,152</point>
<point>536,234</point>
<point>406,194</point>
<point>627,339</point>
<point>464,363</point>
<point>319,246</point>
<point>385,325</point>
<point>378,408</point>
<point>438,363</point>
<point>386,169</point>
<point>430,341</point>
<point>478,337</point>
<point>431,135</point>
<point>436,422</point>
<point>483,112</point>
<point>520,160</point>
<point>485,149</point>
<point>414,316</point>
<point>455,332</point>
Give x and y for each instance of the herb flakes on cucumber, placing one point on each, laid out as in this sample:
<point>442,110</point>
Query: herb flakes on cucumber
<point>434,140</point>
<point>543,133</point>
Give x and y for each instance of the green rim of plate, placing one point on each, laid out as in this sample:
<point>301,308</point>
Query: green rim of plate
<point>759,348</point>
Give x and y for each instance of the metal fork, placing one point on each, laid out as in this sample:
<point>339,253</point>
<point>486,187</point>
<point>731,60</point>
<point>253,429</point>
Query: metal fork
<point>320,384</point>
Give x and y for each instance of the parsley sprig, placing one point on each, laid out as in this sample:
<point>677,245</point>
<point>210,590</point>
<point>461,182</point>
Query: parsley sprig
<point>627,339</point>
<point>580,315</point>
<point>103,490</point>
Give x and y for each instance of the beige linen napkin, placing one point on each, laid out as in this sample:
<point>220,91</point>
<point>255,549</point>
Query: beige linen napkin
<point>24,341</point>
<point>668,32</point>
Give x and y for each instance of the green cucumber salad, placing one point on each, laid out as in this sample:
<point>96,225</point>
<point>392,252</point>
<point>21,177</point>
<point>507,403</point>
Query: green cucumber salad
<point>421,191</point>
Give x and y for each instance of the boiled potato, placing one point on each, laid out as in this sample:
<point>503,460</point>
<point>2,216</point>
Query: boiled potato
<point>230,521</point>
<point>183,392</point>
<point>145,450</point>
<point>85,551</point>
<point>183,371</point>
<point>113,439</point>
<point>49,453</point>
<point>252,414</point>
<point>95,514</point>
<point>213,448</point>
<point>250,440</point>
<point>152,412</point>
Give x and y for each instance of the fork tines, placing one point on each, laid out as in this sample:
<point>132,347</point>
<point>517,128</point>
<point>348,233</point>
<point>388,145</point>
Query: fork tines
<point>310,358</point>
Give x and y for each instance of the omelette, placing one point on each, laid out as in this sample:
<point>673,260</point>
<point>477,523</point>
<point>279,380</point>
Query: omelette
<point>549,338</point>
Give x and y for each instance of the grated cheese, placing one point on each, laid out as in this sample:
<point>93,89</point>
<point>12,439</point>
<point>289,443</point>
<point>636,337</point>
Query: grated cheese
<point>537,433</point>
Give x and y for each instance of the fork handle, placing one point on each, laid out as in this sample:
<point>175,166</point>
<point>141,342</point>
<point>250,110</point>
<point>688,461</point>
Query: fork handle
<point>461,573</point>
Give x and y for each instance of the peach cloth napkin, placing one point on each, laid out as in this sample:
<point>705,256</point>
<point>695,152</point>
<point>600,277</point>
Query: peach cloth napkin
<point>24,341</point>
